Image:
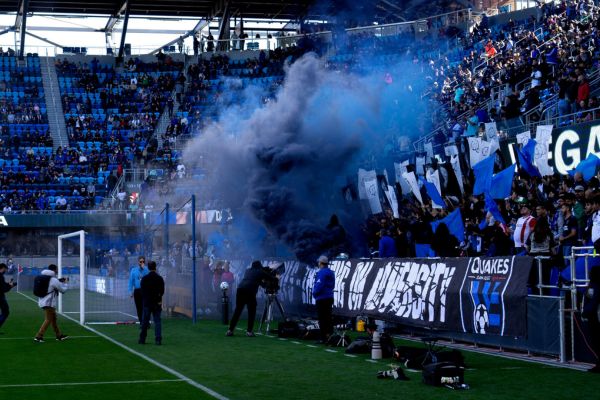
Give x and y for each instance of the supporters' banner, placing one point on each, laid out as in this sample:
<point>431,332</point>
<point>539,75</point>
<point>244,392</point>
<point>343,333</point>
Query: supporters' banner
<point>491,131</point>
<point>414,187</point>
<point>372,190</point>
<point>567,146</point>
<point>400,169</point>
<point>364,176</point>
<point>476,295</point>
<point>526,157</point>
<point>434,188</point>
<point>433,176</point>
<point>523,138</point>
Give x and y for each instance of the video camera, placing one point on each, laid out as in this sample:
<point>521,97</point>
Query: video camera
<point>274,271</point>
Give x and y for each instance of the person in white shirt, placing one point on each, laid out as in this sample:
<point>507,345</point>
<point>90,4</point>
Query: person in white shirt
<point>596,220</point>
<point>49,302</point>
<point>523,229</point>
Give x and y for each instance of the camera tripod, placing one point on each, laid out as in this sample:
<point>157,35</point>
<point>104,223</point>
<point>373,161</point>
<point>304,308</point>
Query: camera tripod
<point>267,315</point>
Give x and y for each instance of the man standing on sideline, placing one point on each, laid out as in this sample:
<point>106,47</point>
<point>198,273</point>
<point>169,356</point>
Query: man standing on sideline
<point>246,296</point>
<point>4,288</point>
<point>323,294</point>
<point>153,288</point>
<point>135,280</point>
<point>48,304</point>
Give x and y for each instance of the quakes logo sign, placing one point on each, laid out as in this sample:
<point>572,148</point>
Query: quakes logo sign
<point>483,303</point>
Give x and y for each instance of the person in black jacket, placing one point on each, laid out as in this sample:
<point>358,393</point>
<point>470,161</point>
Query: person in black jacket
<point>4,287</point>
<point>153,288</point>
<point>246,296</point>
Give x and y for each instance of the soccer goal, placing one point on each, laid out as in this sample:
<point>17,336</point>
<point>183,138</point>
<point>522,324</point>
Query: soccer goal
<point>96,295</point>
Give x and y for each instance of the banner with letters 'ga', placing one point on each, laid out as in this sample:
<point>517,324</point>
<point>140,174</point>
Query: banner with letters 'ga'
<point>475,295</point>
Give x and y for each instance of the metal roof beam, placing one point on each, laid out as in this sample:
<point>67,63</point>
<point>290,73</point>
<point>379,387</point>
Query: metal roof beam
<point>21,25</point>
<point>203,23</point>
<point>44,40</point>
<point>124,33</point>
<point>112,21</point>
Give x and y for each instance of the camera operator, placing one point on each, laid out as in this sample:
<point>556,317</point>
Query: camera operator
<point>48,304</point>
<point>4,288</point>
<point>254,277</point>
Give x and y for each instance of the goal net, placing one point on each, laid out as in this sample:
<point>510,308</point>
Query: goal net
<point>98,290</point>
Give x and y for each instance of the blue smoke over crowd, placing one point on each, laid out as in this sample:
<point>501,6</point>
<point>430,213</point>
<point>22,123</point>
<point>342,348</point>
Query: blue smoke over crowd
<point>286,163</point>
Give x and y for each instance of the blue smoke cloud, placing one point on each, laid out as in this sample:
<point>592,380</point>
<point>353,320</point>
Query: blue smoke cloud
<point>284,163</point>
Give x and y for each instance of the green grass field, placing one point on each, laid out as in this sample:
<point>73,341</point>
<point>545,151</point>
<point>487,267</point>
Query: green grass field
<point>89,366</point>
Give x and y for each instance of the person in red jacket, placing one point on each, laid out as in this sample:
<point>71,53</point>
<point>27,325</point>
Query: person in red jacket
<point>583,92</point>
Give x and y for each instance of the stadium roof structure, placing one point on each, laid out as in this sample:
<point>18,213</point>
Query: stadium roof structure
<point>281,9</point>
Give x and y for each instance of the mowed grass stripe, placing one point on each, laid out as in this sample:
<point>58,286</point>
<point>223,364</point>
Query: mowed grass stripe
<point>89,383</point>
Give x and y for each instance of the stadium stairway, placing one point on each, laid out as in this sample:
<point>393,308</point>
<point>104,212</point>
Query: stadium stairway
<point>165,120</point>
<point>56,116</point>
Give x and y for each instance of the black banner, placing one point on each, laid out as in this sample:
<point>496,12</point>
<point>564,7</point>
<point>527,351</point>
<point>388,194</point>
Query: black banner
<point>476,295</point>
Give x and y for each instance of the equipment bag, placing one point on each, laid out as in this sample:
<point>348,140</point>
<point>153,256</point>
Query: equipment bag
<point>40,285</point>
<point>443,373</point>
<point>288,329</point>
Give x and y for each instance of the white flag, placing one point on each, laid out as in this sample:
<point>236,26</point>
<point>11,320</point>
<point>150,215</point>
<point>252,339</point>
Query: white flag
<point>455,162</point>
<point>451,150</point>
<point>400,169</point>
<point>429,151</point>
<point>391,196</point>
<point>412,181</point>
<point>420,166</point>
<point>434,177</point>
<point>523,138</point>
<point>491,131</point>
<point>371,188</point>
<point>543,138</point>
<point>363,176</point>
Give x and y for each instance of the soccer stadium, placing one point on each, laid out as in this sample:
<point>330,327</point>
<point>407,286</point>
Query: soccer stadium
<point>267,199</point>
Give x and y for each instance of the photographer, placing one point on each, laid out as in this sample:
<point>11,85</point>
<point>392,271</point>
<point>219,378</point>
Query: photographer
<point>254,277</point>
<point>48,304</point>
<point>4,288</point>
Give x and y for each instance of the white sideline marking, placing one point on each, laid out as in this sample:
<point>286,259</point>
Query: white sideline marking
<point>283,339</point>
<point>293,341</point>
<point>145,357</point>
<point>350,355</point>
<point>90,383</point>
<point>31,338</point>
<point>311,345</point>
<point>371,361</point>
<point>331,351</point>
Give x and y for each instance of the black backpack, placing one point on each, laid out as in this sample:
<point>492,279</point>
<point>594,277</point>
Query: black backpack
<point>40,285</point>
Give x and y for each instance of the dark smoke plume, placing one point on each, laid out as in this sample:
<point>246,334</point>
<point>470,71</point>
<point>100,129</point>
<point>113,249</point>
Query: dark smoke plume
<point>286,163</point>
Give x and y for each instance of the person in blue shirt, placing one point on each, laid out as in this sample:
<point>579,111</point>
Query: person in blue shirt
<point>387,245</point>
<point>135,279</point>
<point>323,294</point>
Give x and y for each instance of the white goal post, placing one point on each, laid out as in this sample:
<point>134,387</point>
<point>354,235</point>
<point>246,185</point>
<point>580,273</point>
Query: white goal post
<point>82,278</point>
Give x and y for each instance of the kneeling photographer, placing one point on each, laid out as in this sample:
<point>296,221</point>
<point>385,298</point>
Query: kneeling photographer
<point>254,277</point>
